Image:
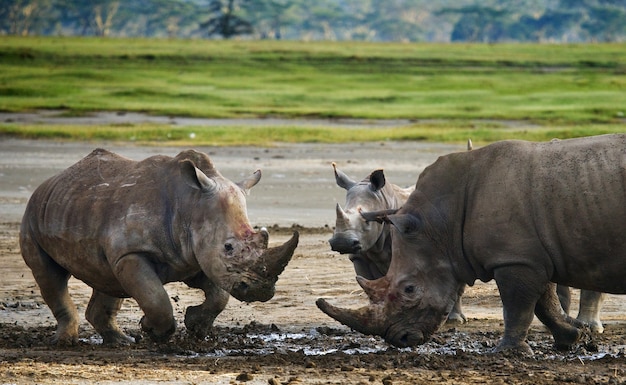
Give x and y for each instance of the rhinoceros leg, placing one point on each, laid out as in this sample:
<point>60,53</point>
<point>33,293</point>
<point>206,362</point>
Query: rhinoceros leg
<point>52,280</point>
<point>519,290</point>
<point>550,313</point>
<point>456,315</point>
<point>589,310</point>
<point>140,281</point>
<point>565,297</point>
<point>199,319</point>
<point>101,313</point>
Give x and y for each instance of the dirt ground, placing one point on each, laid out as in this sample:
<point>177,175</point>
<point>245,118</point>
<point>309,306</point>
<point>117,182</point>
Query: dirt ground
<point>286,340</point>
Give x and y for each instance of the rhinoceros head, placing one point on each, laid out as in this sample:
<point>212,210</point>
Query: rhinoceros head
<point>412,301</point>
<point>228,250</point>
<point>352,232</point>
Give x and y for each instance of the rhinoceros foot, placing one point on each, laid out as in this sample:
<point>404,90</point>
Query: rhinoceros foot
<point>564,340</point>
<point>64,340</point>
<point>158,334</point>
<point>198,322</point>
<point>116,338</point>
<point>456,319</point>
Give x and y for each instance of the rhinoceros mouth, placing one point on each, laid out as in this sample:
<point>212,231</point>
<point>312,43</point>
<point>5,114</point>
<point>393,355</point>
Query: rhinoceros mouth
<point>344,245</point>
<point>399,337</point>
<point>246,292</point>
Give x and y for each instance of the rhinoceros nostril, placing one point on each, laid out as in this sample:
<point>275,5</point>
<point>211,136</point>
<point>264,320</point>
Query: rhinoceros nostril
<point>356,242</point>
<point>228,247</point>
<point>243,287</point>
<point>404,340</point>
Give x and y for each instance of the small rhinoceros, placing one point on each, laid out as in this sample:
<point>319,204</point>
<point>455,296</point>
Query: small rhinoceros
<point>528,215</point>
<point>369,243</point>
<point>125,228</point>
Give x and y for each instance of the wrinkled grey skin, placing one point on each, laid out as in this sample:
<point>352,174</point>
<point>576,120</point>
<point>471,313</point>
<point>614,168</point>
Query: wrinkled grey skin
<point>369,243</point>
<point>125,228</point>
<point>528,215</point>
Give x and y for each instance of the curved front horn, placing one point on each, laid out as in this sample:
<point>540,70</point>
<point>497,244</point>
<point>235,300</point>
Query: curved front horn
<point>277,258</point>
<point>366,320</point>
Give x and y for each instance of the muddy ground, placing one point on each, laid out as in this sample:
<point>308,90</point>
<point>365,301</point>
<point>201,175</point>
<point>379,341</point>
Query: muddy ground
<point>286,340</point>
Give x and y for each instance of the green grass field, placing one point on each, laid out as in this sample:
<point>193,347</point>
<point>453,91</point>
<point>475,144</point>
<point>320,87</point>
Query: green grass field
<point>563,90</point>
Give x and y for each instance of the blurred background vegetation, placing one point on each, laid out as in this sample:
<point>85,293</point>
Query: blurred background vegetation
<point>362,20</point>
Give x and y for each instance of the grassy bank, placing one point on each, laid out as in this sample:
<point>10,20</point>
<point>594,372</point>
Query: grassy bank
<point>564,88</point>
<point>269,136</point>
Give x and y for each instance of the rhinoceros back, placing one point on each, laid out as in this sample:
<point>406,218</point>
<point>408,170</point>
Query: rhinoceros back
<point>561,203</point>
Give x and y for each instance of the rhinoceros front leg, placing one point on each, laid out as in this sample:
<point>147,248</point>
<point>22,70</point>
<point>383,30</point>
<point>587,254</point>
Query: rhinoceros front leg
<point>520,289</point>
<point>565,297</point>
<point>101,313</point>
<point>139,280</point>
<point>199,319</point>
<point>550,313</point>
<point>456,315</point>
<point>52,281</point>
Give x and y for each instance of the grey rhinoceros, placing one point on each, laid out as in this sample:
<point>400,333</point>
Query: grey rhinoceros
<point>369,243</point>
<point>528,215</point>
<point>125,228</point>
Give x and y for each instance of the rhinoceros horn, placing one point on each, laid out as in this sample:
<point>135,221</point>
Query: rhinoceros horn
<point>275,259</point>
<point>366,320</point>
<point>375,289</point>
<point>342,218</point>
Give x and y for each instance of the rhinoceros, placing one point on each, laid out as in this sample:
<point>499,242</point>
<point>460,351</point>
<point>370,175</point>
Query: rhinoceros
<point>125,228</point>
<point>369,243</point>
<point>526,214</point>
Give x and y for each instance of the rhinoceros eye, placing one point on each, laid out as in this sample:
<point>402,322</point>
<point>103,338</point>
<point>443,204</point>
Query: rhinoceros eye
<point>228,247</point>
<point>410,289</point>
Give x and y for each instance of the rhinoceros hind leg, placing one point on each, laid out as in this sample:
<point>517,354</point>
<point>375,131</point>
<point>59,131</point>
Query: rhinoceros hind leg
<point>52,280</point>
<point>199,319</point>
<point>141,282</point>
<point>550,313</point>
<point>589,310</point>
<point>101,313</point>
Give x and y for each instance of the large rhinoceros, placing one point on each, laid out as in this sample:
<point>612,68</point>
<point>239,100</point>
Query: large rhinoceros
<point>369,243</point>
<point>525,214</point>
<point>125,228</point>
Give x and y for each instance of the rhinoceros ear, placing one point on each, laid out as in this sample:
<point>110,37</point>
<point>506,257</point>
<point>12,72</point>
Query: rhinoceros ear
<point>194,177</point>
<point>405,223</point>
<point>250,181</point>
<point>342,179</point>
<point>377,180</point>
